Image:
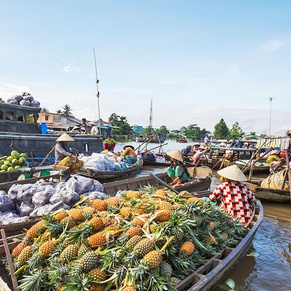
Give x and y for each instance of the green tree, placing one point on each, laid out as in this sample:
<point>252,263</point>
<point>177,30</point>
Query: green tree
<point>121,122</point>
<point>67,110</point>
<point>59,111</point>
<point>221,130</point>
<point>163,130</point>
<point>236,132</point>
<point>44,109</point>
<point>1,100</point>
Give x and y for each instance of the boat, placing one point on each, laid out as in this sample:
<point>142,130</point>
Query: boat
<point>18,132</point>
<point>151,138</point>
<point>155,160</point>
<point>103,176</point>
<point>32,175</point>
<point>182,140</point>
<point>200,180</point>
<point>256,167</point>
<point>209,275</point>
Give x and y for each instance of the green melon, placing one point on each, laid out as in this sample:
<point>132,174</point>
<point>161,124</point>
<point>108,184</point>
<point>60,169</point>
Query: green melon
<point>15,162</point>
<point>24,155</point>
<point>4,167</point>
<point>10,169</point>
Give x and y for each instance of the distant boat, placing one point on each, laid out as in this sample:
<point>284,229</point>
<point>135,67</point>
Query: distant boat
<point>151,138</point>
<point>182,140</point>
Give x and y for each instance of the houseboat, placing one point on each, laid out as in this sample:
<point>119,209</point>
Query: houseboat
<point>20,130</point>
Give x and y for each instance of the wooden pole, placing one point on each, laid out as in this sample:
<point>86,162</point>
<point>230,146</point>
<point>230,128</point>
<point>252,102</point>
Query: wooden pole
<point>47,156</point>
<point>163,183</point>
<point>9,260</point>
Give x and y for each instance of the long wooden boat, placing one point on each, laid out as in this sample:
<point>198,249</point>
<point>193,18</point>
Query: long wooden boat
<point>210,274</point>
<point>270,194</point>
<point>201,180</point>
<point>30,176</point>
<point>103,176</point>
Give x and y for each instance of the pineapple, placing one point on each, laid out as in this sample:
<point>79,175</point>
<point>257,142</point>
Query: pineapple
<point>77,214</point>
<point>69,253</point>
<point>69,222</point>
<point>83,249</point>
<point>166,269</point>
<point>36,229</point>
<point>133,241</point>
<point>134,231</point>
<point>133,194</point>
<point>98,239</point>
<point>97,287</point>
<point>153,259</point>
<point>18,249</point>
<point>143,247</point>
<point>125,212</point>
<point>87,262</point>
<point>97,275</point>
<point>60,215</point>
<point>210,239</point>
<point>164,205</point>
<point>140,220</point>
<point>97,223</point>
<point>186,249</point>
<point>113,201</point>
<point>99,204</point>
<point>128,288</point>
<point>162,215</point>
<point>211,225</point>
<point>45,248</point>
<point>24,256</point>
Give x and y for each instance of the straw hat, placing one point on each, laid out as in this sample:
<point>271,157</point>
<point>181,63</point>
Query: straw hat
<point>76,127</point>
<point>92,123</point>
<point>128,146</point>
<point>175,155</point>
<point>233,173</point>
<point>196,144</point>
<point>65,137</point>
<point>202,148</point>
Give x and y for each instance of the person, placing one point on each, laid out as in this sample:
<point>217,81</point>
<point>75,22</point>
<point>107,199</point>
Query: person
<point>206,141</point>
<point>129,154</point>
<point>62,149</point>
<point>195,148</point>
<point>185,152</point>
<point>84,126</point>
<point>94,129</point>
<point>109,143</point>
<point>197,156</point>
<point>273,157</point>
<point>234,196</point>
<point>177,171</point>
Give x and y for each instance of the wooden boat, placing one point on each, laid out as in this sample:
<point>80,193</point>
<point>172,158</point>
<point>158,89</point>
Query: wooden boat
<point>209,275</point>
<point>270,194</point>
<point>110,175</point>
<point>258,167</point>
<point>201,180</point>
<point>160,160</point>
<point>182,140</point>
<point>30,176</point>
<point>151,138</point>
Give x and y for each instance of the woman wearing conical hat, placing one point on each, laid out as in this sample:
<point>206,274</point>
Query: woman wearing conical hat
<point>234,196</point>
<point>177,170</point>
<point>62,149</point>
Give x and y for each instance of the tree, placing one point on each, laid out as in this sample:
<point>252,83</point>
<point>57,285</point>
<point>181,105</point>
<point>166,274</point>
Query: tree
<point>59,111</point>
<point>221,130</point>
<point>121,122</point>
<point>163,130</point>
<point>1,100</point>
<point>44,109</point>
<point>67,110</point>
<point>236,131</point>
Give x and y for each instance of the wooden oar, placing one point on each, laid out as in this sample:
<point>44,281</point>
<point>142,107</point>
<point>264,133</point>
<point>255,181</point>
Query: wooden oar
<point>162,182</point>
<point>46,156</point>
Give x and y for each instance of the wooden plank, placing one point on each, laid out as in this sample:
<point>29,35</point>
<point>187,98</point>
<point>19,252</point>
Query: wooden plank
<point>9,260</point>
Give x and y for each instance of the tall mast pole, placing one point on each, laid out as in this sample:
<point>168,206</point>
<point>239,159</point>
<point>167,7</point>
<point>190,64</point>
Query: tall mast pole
<point>270,99</point>
<point>151,117</point>
<point>97,94</point>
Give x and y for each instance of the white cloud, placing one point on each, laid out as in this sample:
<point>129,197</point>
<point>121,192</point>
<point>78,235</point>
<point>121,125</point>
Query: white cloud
<point>71,69</point>
<point>273,45</point>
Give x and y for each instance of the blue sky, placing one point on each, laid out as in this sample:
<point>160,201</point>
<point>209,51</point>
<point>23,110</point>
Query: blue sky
<point>199,61</point>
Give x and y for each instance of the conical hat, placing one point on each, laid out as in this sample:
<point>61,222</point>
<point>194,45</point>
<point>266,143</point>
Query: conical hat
<point>175,155</point>
<point>233,173</point>
<point>65,137</point>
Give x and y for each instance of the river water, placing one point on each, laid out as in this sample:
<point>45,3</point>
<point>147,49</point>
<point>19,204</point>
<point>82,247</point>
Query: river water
<point>267,263</point>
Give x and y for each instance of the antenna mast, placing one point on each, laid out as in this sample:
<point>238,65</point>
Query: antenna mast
<point>151,117</point>
<point>97,94</point>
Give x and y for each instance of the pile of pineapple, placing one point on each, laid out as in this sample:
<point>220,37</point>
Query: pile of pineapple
<point>142,240</point>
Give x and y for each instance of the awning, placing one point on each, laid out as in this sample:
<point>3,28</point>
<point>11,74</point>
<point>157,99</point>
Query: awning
<point>269,143</point>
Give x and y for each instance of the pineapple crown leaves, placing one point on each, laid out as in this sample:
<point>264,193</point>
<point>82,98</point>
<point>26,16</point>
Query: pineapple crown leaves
<point>35,281</point>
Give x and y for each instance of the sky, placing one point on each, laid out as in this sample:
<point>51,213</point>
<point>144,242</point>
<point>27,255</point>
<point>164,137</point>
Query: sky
<point>198,61</point>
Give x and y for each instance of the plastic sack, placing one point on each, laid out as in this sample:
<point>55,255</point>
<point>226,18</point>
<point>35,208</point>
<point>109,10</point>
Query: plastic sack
<point>6,203</point>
